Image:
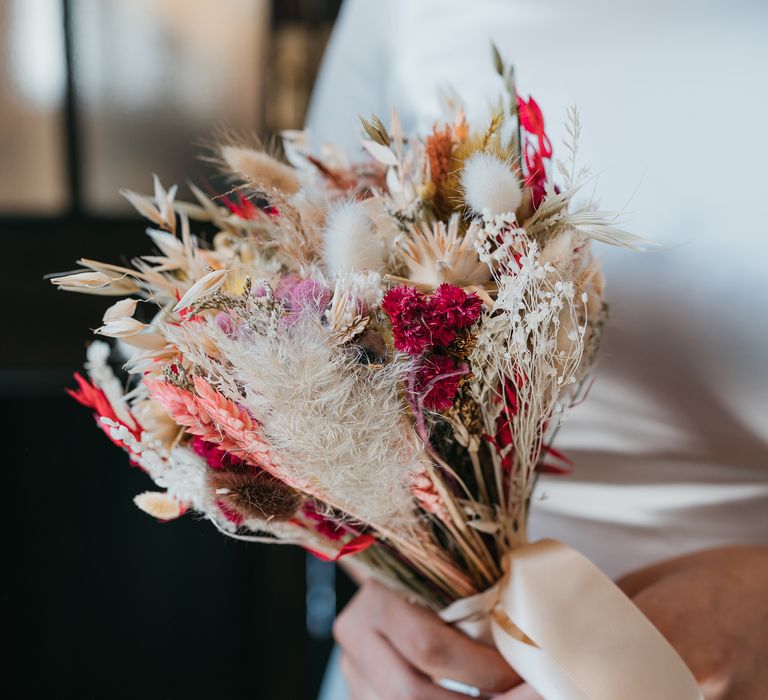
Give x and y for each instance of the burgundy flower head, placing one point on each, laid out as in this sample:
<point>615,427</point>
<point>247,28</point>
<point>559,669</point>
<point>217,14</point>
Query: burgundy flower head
<point>420,322</point>
<point>437,381</point>
<point>454,307</point>
<point>406,308</point>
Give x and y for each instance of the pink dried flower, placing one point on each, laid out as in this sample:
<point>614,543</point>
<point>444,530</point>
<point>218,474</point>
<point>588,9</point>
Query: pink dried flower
<point>427,494</point>
<point>437,381</point>
<point>226,324</point>
<point>311,293</point>
<point>298,297</point>
<point>299,294</point>
<point>216,419</point>
<point>215,457</point>
<point>285,287</point>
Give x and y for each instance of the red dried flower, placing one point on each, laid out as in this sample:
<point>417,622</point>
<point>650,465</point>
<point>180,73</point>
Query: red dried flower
<point>241,206</point>
<point>532,120</point>
<point>406,308</point>
<point>504,436</point>
<point>354,546</point>
<point>437,381</point>
<point>90,396</point>
<point>454,308</point>
<point>420,322</point>
<point>324,526</point>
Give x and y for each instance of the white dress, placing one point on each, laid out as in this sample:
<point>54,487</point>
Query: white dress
<point>670,449</point>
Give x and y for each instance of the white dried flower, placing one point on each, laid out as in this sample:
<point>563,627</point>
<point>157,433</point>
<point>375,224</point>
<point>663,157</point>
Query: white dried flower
<point>121,309</point>
<point>160,210</point>
<point>338,424</point>
<point>203,287</point>
<point>159,505</point>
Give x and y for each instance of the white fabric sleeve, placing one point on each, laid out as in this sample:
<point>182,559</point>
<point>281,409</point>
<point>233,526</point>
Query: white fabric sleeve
<point>354,74</point>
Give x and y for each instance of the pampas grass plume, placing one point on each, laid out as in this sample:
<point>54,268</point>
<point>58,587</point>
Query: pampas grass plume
<point>337,423</point>
<point>490,184</point>
<point>350,244</point>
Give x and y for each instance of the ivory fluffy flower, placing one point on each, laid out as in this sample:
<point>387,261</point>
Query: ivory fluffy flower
<point>490,184</point>
<point>349,242</point>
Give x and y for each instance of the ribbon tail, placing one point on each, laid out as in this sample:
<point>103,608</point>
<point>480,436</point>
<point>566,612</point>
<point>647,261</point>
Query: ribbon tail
<point>573,635</point>
<point>533,664</point>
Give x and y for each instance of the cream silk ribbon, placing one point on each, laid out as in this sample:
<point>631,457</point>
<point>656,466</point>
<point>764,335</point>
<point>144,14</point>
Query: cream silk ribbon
<point>568,631</point>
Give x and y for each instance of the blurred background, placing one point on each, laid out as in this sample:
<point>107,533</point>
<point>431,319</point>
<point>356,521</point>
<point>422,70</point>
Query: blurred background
<point>98,598</point>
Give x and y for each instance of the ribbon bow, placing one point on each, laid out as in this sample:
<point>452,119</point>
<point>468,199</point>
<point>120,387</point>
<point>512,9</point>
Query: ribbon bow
<point>566,628</point>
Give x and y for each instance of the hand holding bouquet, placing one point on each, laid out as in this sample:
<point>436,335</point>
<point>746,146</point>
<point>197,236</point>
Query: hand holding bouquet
<point>364,358</point>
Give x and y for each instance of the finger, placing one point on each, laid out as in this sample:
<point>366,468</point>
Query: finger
<point>357,686</point>
<point>522,692</point>
<point>434,647</point>
<point>384,670</point>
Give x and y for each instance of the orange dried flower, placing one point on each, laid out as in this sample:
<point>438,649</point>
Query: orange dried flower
<point>461,127</point>
<point>439,148</point>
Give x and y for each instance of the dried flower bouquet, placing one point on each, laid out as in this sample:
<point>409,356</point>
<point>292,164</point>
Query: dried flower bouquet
<point>362,358</point>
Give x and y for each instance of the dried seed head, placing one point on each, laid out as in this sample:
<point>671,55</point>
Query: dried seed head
<point>466,412</point>
<point>255,494</point>
<point>375,130</point>
<point>260,169</point>
<point>464,344</point>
